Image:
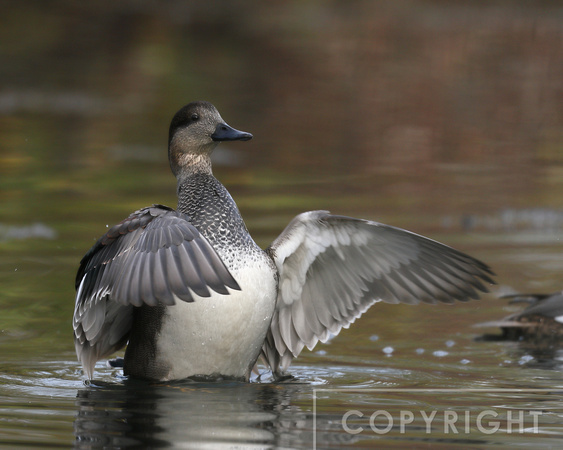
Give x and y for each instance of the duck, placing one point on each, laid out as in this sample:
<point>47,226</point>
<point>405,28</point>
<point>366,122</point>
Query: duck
<point>191,295</point>
<point>541,322</point>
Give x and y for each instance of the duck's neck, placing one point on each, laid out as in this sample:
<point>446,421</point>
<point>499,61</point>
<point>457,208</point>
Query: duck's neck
<point>200,193</point>
<point>187,165</point>
<point>213,212</point>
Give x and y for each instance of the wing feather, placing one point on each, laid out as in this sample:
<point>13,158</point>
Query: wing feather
<point>333,268</point>
<point>153,257</point>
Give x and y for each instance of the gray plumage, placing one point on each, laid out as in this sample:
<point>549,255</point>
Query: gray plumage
<point>541,321</point>
<point>194,295</point>
<point>333,268</point>
<point>153,257</point>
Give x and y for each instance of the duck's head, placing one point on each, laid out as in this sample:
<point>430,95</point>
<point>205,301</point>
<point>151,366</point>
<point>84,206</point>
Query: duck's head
<point>195,131</point>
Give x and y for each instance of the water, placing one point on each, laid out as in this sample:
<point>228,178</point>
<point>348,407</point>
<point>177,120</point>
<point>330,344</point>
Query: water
<point>437,117</point>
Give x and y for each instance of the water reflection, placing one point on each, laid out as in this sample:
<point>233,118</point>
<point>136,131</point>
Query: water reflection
<point>36,230</point>
<point>307,410</point>
<point>189,415</point>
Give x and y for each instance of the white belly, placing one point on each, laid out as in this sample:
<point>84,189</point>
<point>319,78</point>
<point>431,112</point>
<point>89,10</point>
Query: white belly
<point>221,334</point>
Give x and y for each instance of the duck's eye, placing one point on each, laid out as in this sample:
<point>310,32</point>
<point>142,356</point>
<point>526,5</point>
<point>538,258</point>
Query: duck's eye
<point>195,117</point>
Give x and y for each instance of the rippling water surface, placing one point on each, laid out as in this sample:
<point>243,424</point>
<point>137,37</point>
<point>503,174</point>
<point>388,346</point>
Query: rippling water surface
<point>439,117</point>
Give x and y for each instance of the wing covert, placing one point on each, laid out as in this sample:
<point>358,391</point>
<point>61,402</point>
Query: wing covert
<point>153,257</point>
<point>333,268</point>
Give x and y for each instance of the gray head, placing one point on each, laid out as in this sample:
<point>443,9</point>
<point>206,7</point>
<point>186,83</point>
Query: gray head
<point>195,131</point>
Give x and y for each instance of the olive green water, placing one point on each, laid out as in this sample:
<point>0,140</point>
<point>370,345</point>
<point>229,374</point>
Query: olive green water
<point>445,118</point>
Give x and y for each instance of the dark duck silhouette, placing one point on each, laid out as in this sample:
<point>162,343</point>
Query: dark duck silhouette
<point>192,294</point>
<point>541,322</point>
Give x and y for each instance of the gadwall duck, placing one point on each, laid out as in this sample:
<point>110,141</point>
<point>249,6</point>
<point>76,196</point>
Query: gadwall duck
<point>191,294</point>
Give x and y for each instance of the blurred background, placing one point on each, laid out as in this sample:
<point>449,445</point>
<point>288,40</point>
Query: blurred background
<point>443,117</point>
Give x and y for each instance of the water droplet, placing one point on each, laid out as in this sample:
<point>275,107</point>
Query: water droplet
<point>465,361</point>
<point>440,353</point>
<point>419,351</point>
<point>450,343</point>
<point>388,350</point>
<point>374,337</point>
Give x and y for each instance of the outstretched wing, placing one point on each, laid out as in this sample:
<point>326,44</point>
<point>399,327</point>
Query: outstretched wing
<point>333,268</point>
<point>153,257</point>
